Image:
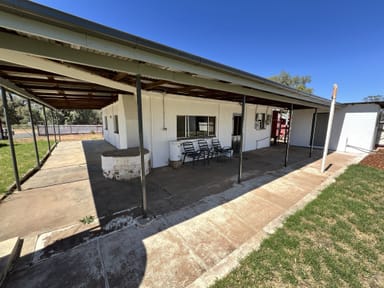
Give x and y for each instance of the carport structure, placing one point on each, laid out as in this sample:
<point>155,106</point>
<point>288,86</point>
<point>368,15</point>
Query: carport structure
<point>67,62</point>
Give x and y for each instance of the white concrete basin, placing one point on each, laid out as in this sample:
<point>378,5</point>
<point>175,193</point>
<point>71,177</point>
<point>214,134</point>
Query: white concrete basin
<point>124,164</point>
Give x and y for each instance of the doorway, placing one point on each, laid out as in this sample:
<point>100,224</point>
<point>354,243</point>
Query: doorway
<point>236,133</point>
<point>321,129</point>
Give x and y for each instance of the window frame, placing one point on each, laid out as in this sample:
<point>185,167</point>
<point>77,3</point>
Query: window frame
<point>193,120</point>
<point>260,121</point>
<point>116,124</point>
<point>105,122</point>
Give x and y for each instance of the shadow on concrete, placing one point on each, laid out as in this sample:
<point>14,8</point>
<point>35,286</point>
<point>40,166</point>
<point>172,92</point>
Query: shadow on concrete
<point>119,259</point>
<point>169,189</point>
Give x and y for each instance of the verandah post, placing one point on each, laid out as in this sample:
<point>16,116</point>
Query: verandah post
<point>46,128</point>
<point>33,134</point>
<point>10,138</point>
<point>239,176</point>
<point>141,146</point>
<point>313,131</point>
<point>53,125</point>
<point>288,136</point>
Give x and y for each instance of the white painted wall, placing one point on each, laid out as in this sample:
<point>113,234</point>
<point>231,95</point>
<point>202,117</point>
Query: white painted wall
<point>355,128</point>
<point>256,139</point>
<point>123,109</point>
<point>159,122</point>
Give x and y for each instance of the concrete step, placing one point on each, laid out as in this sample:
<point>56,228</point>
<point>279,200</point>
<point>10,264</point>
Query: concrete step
<point>9,251</point>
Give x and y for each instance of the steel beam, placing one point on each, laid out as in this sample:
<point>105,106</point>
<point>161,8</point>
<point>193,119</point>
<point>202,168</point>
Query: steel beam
<point>313,131</point>
<point>58,126</point>
<point>53,125</point>
<point>141,146</point>
<point>239,176</point>
<point>34,134</point>
<point>288,136</point>
<point>46,129</point>
<point>10,138</point>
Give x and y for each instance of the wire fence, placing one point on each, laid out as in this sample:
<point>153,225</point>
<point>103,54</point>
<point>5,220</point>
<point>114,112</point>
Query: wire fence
<point>69,129</point>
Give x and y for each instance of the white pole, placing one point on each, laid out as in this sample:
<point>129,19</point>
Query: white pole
<point>329,128</point>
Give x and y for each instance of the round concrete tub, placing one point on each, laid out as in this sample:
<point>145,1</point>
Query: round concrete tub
<point>124,164</point>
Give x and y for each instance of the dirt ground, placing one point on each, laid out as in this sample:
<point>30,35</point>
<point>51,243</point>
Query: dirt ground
<point>375,159</point>
<point>69,137</point>
<point>74,137</point>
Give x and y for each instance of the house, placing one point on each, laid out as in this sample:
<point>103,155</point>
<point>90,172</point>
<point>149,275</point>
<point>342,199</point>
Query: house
<point>153,96</point>
<point>172,118</point>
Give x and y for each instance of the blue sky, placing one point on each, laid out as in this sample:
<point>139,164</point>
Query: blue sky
<point>332,41</point>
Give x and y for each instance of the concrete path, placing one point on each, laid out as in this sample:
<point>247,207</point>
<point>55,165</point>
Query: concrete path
<point>57,196</point>
<point>190,247</point>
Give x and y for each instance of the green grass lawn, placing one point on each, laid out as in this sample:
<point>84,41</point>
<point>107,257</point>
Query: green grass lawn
<point>335,241</point>
<point>26,159</point>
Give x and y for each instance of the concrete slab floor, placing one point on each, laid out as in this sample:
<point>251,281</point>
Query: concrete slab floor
<point>190,200</point>
<point>71,181</point>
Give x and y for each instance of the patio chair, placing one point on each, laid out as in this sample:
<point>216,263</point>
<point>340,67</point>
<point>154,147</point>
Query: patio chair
<point>204,148</point>
<point>221,151</point>
<point>190,151</point>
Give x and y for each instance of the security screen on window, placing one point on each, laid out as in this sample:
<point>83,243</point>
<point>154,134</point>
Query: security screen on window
<point>260,121</point>
<point>195,126</point>
<point>105,123</point>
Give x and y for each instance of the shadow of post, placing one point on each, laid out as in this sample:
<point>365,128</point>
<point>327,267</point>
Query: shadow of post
<point>119,259</point>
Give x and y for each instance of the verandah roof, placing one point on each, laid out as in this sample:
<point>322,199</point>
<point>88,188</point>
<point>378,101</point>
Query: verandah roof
<point>68,62</point>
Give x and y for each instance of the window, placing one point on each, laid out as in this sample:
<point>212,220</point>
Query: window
<point>105,123</point>
<point>116,124</point>
<point>260,121</point>
<point>195,126</point>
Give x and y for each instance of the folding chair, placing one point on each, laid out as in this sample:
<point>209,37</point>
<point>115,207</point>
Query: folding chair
<point>190,151</point>
<point>221,151</point>
<point>204,148</point>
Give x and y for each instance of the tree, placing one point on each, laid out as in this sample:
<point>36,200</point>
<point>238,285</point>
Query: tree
<point>84,116</point>
<point>297,82</point>
<point>377,98</point>
<point>15,106</point>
